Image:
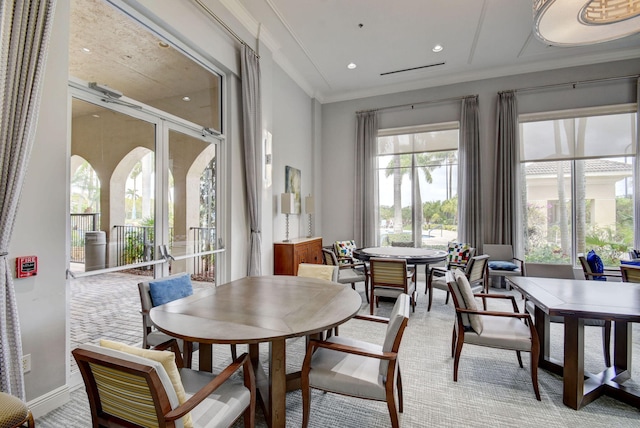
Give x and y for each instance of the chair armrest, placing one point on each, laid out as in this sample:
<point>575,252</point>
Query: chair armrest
<point>500,296</point>
<point>372,318</point>
<point>524,316</point>
<point>171,345</point>
<point>351,350</point>
<point>242,361</point>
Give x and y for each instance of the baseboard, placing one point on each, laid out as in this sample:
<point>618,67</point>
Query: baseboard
<point>58,397</point>
<point>44,404</point>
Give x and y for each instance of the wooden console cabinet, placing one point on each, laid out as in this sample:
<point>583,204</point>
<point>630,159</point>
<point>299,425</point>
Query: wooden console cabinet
<point>288,255</point>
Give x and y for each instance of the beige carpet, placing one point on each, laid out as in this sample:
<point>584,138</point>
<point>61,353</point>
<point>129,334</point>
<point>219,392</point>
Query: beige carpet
<point>492,390</point>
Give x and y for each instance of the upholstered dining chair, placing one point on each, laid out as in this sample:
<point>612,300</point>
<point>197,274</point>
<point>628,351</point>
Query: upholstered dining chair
<point>348,273</point>
<point>312,270</point>
<point>565,271</point>
<point>476,272</point>
<point>593,268</point>
<point>630,273</point>
<point>14,413</point>
<point>503,262</point>
<point>135,387</point>
<point>458,255</point>
<point>360,369</point>
<point>156,292</point>
<point>390,278</point>
<point>503,330</point>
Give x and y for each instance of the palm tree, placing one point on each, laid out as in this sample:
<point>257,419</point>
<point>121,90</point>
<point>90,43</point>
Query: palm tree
<point>133,194</point>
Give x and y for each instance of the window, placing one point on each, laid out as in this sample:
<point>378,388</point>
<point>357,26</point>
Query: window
<point>578,170</point>
<point>418,185</point>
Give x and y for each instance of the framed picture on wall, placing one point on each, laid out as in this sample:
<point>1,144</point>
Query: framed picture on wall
<point>292,185</point>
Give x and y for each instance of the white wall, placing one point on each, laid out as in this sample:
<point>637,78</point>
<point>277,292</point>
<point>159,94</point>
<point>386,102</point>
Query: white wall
<point>339,125</point>
<point>41,228</point>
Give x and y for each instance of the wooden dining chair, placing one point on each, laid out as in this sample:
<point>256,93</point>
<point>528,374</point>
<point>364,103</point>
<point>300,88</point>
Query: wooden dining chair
<point>350,271</point>
<point>390,278</point>
<point>356,368</point>
<point>630,273</point>
<point>476,272</point>
<point>502,330</point>
<point>593,268</point>
<point>133,387</point>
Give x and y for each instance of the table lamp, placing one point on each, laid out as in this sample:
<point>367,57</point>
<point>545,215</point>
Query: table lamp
<point>309,207</point>
<point>288,206</point>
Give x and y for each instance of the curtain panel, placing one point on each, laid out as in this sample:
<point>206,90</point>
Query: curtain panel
<point>25,33</point>
<point>252,134</point>
<point>469,183</point>
<point>636,180</point>
<point>366,199</point>
<point>507,175</point>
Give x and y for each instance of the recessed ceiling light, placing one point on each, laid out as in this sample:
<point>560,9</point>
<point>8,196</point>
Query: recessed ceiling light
<point>86,50</point>
<point>95,115</point>
<point>437,48</point>
<point>163,44</point>
<point>186,99</point>
<point>351,66</point>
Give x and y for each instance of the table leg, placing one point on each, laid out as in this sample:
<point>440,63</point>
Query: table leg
<point>573,382</point>
<point>621,349</point>
<point>277,383</point>
<point>205,355</point>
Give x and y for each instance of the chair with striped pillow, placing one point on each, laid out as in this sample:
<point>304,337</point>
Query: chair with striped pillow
<point>134,387</point>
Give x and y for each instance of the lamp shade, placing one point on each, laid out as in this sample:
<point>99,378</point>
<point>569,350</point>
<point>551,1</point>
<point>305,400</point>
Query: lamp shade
<point>309,205</point>
<point>288,203</point>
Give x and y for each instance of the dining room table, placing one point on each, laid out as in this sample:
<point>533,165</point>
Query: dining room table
<point>577,300</point>
<point>260,309</point>
<point>413,255</point>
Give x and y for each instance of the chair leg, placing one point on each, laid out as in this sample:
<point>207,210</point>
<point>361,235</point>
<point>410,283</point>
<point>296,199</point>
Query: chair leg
<point>535,353</point>
<point>446,301</point>
<point>234,352</point>
<point>519,359</point>
<point>393,411</point>
<point>453,342</point>
<point>187,356</point>
<point>430,292</point>
<point>456,358</point>
<point>306,403</point>
<point>399,385</point>
<point>366,287</point>
<point>606,342</point>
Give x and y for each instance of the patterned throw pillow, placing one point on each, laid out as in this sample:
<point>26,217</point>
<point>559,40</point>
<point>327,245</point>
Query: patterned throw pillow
<point>458,252</point>
<point>596,265</point>
<point>344,249</point>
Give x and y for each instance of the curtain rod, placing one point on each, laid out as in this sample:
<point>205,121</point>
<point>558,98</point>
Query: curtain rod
<point>421,103</point>
<point>225,26</point>
<point>574,84</point>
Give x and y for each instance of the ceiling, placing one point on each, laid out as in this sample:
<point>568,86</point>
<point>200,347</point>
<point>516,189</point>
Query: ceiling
<point>314,40</point>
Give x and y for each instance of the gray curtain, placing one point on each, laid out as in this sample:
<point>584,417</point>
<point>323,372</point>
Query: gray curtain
<point>252,133</point>
<point>25,26</point>
<point>507,174</point>
<point>366,199</point>
<point>469,183</point>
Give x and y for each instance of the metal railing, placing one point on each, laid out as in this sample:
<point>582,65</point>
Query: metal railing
<point>133,244</point>
<point>81,223</point>
<point>204,239</point>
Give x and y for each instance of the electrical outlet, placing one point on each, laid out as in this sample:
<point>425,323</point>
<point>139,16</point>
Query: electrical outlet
<point>26,363</point>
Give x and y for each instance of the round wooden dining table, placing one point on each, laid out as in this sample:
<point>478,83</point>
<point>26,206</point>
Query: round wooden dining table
<point>259,309</point>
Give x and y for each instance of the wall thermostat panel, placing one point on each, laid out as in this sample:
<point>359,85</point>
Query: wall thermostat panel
<point>26,266</point>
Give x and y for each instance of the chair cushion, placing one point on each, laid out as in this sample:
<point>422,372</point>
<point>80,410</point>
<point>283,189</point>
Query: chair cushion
<point>502,265</point>
<point>168,361</point>
<point>503,333</point>
<point>458,252</point>
<point>167,290</point>
<point>469,301</point>
<point>596,265</point>
<point>345,248</point>
<point>393,292</point>
<point>222,407</point>
<point>12,410</point>
<point>345,373</point>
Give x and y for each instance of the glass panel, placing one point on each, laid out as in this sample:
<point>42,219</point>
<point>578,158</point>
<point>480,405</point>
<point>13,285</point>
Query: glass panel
<point>192,205</point>
<point>108,47</point>
<point>548,212</point>
<point>112,194</point>
<point>604,195</point>
<point>551,140</point>
<point>438,186</point>
<point>395,199</point>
